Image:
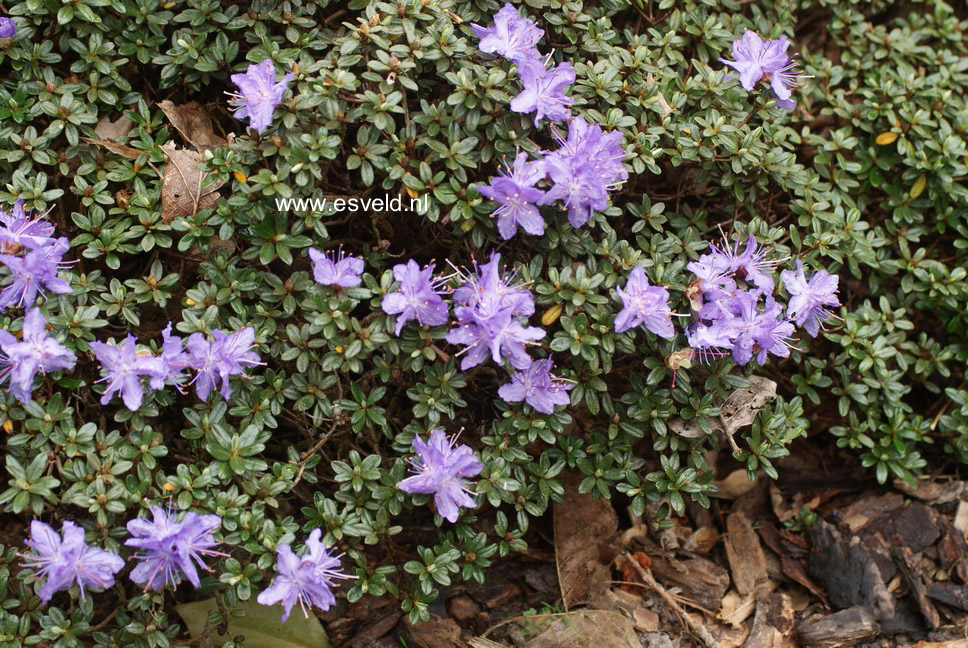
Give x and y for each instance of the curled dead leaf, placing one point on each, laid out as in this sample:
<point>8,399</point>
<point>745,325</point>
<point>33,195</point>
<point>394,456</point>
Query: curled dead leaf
<point>193,123</point>
<point>115,147</point>
<point>182,190</point>
<point>112,130</point>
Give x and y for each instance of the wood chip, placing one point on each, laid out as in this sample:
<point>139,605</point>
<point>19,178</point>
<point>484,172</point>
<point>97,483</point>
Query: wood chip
<point>736,608</point>
<point>578,629</point>
<point>845,628</point>
<point>436,633</point>
<point>773,624</point>
<point>950,594</point>
<point>746,561</point>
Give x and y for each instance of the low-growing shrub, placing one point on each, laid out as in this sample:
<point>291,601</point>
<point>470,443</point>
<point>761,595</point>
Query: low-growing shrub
<point>232,320</point>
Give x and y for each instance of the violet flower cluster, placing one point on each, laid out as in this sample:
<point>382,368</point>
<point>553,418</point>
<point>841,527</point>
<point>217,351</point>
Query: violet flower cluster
<point>537,387</point>
<point>33,257</point>
<point>765,60</point>
<point>587,164</point>
<point>306,580</point>
<point>735,309</point>
<point>442,468</point>
<point>8,28</point>
<point>37,352</point>
<point>336,269</point>
<point>259,94</point>
<point>64,560</point>
<point>492,312</point>
<point>167,551</point>
<point>214,362</point>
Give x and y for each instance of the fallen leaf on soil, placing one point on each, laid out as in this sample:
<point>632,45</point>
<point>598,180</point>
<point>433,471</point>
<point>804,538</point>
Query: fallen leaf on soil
<point>112,130</point>
<point>578,629</point>
<point>114,147</point>
<point>584,529</point>
<point>261,625</point>
<point>935,492</point>
<point>961,518</point>
<point>738,411</point>
<point>436,633</point>
<point>736,608</point>
<point>735,484</point>
<point>644,619</point>
<point>182,194</point>
<point>744,553</point>
<point>193,123</point>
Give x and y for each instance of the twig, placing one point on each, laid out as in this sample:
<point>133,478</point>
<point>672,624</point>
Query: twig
<point>305,456</point>
<point>694,626</point>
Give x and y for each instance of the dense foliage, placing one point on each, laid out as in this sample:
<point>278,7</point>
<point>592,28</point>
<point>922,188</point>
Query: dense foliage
<point>863,178</point>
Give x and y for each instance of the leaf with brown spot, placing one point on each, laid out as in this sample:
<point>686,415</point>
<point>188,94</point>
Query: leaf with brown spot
<point>182,193</point>
<point>193,123</point>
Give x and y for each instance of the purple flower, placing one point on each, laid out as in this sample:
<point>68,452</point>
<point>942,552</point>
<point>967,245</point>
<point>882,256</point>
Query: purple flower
<point>516,194</point>
<point>491,311</point>
<point>442,467</point>
<point>544,90</point>
<point>67,561</point>
<point>33,272</point>
<point>259,93</point>
<point>170,549</point>
<point>124,367</point>
<point>512,36</point>
<point>757,332</point>
<point>173,359</point>
<point>307,580</point>
<point>500,336</point>
<point>8,28</point>
<point>809,299</point>
<point>335,269</point>
<point>644,304</point>
<point>752,266</point>
<point>757,59</point>
<point>489,291</point>
<point>583,169</point>
<point>219,359</point>
<point>536,387</point>
<point>417,298</point>
<point>37,352</point>
<point>17,230</point>
<point>712,341</point>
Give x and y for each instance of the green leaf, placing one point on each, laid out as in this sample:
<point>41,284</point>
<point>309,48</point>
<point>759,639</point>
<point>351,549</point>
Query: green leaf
<point>260,626</point>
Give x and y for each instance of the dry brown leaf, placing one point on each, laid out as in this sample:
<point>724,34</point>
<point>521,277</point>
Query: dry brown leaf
<point>193,123</point>
<point>738,411</point>
<point>736,608</point>
<point>961,518</point>
<point>744,553</point>
<point>112,130</point>
<point>436,633</point>
<point>584,529</point>
<point>582,629</point>
<point>736,484</point>
<point>182,193</point>
<point>115,147</point>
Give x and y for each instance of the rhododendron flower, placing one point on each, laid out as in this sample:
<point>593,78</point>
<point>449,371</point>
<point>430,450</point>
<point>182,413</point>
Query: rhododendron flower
<point>512,36</point>
<point>36,353</point>
<point>34,272</point>
<point>8,28</point>
<point>756,60</point>
<point>17,230</point>
<point>168,549</point>
<point>537,387</point>
<point>335,269</point>
<point>174,360</point>
<point>516,194</point>
<point>259,93</point>
<point>644,305</point>
<point>544,90</point>
<point>443,467</point>
<point>809,299</point>
<point>65,560</point>
<point>124,367</point>
<point>307,579</point>
<point>586,166</point>
<point>417,298</point>
<point>220,358</point>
